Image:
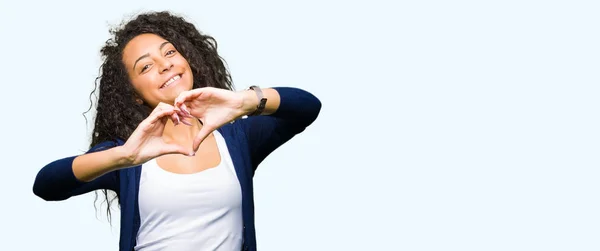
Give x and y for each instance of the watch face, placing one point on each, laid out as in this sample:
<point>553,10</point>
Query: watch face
<point>262,103</point>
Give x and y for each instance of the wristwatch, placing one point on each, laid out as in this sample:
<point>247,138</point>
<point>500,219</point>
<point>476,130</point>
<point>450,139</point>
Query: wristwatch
<point>262,101</point>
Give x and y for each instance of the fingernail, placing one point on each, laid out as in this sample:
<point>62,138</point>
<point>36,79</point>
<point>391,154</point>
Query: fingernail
<point>185,122</point>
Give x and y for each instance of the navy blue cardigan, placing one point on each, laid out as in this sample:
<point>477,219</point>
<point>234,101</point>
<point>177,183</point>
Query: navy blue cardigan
<point>249,141</point>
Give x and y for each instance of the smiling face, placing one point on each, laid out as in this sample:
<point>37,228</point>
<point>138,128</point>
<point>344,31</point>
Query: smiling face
<point>157,71</point>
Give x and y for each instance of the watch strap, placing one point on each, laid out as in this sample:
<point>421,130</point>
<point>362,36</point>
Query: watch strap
<point>262,100</point>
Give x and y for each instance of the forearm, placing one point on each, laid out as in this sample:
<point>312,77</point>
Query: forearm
<point>90,166</point>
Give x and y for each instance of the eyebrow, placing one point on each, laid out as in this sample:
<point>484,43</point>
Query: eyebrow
<point>147,54</point>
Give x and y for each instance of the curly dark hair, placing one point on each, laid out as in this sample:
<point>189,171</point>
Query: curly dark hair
<point>117,113</point>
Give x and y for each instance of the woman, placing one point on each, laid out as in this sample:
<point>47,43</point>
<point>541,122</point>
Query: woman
<point>172,140</point>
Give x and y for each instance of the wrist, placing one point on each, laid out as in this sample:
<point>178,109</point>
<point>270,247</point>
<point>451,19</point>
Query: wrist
<point>123,157</point>
<point>250,102</point>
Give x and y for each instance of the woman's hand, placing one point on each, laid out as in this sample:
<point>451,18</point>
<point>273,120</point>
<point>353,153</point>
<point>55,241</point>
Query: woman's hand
<point>214,107</point>
<point>146,141</point>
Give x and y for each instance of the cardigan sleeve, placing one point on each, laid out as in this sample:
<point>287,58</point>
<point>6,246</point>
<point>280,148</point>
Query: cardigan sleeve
<point>297,110</point>
<point>56,181</point>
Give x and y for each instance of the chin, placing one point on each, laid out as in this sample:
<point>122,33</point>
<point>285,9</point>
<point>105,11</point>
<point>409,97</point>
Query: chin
<point>185,87</point>
<point>186,83</point>
<point>174,93</point>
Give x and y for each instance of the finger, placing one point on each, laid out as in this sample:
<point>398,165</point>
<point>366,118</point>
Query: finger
<point>174,148</point>
<point>175,118</point>
<point>202,134</point>
<point>163,121</point>
<point>183,114</point>
<point>161,106</point>
<point>160,114</point>
<point>161,110</point>
<point>185,122</point>
<point>187,95</point>
<point>184,108</point>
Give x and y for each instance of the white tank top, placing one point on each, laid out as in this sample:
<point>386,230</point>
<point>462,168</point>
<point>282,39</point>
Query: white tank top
<point>185,212</point>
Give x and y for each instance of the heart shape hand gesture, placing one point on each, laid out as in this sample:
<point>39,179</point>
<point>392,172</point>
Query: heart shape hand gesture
<point>214,108</point>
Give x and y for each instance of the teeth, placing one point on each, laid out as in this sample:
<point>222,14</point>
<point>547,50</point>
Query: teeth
<point>171,81</point>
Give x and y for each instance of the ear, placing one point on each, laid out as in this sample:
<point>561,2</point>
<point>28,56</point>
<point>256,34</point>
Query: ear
<point>138,99</point>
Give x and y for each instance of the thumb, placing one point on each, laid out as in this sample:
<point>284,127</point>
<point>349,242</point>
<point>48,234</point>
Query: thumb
<point>202,134</point>
<point>175,148</point>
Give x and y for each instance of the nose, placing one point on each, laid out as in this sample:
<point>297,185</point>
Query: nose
<point>165,65</point>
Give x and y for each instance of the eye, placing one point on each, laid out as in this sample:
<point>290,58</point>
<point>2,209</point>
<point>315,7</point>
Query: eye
<point>171,52</point>
<point>144,68</point>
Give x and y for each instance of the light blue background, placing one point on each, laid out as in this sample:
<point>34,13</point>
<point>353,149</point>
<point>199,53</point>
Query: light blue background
<point>446,125</point>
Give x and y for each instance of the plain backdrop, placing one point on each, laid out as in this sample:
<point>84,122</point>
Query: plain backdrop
<point>446,125</point>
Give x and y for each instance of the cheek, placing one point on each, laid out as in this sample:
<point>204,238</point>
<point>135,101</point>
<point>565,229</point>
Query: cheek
<point>183,62</point>
<point>188,71</point>
<point>143,87</point>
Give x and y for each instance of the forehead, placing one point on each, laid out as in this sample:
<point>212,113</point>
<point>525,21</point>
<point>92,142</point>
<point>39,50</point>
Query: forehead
<point>140,45</point>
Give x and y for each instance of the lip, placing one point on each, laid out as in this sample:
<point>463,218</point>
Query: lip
<point>174,82</point>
